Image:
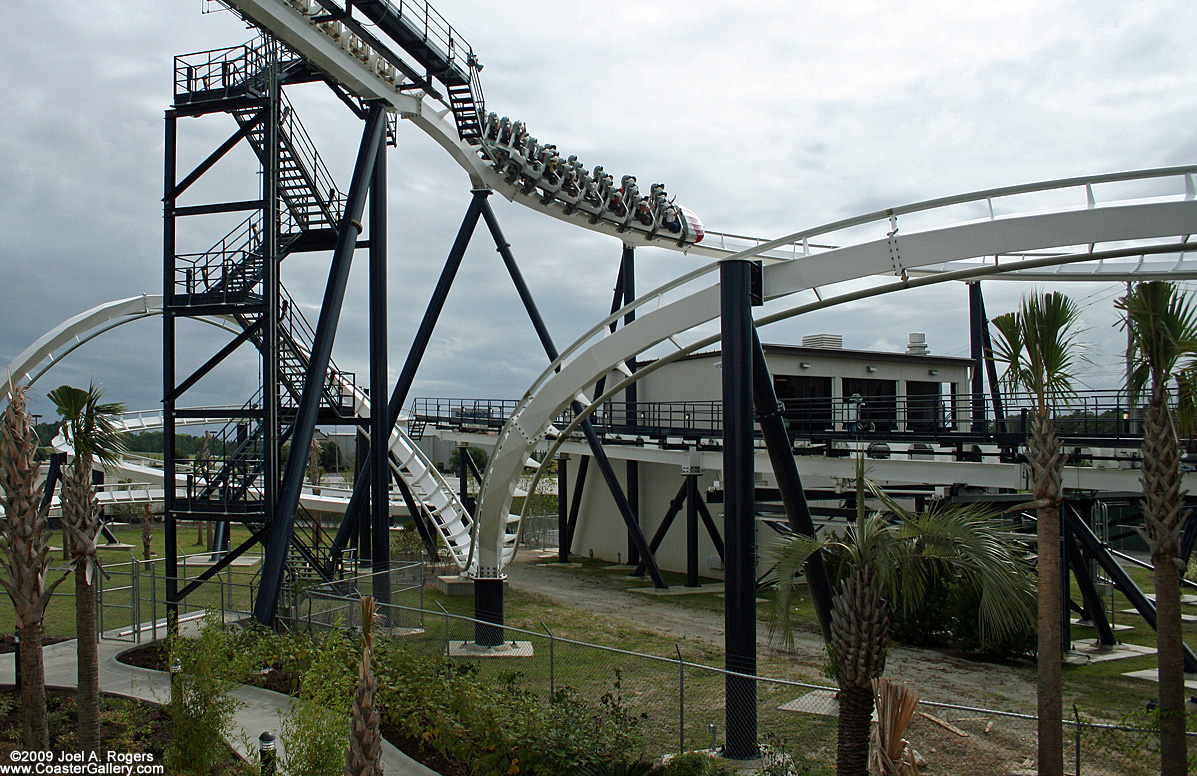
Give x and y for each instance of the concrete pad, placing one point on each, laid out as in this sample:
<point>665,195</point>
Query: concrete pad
<point>679,589</point>
<point>507,649</point>
<point>1092,652</point>
<point>457,585</point>
<point>1115,627</point>
<point>822,702</point>
<point>1183,617</point>
<point>1153,675</point>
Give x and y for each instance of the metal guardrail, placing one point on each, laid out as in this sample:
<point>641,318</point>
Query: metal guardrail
<point>1105,418</point>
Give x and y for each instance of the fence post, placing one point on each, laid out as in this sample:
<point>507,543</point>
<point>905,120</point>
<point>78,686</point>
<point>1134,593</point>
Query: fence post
<point>446,613</point>
<point>552,662</point>
<point>154,598</point>
<point>135,596</point>
<point>681,701</point>
<point>99,595</point>
<point>17,656</point>
<point>1076,713</point>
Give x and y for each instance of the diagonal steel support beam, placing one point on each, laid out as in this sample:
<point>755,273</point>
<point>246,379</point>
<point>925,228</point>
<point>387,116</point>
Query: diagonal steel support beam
<point>1101,553</point>
<point>596,447</point>
<point>1078,563</point>
<point>217,155</point>
<point>223,563</point>
<point>789,482</point>
<point>283,523</point>
<point>213,362</point>
<point>414,356</point>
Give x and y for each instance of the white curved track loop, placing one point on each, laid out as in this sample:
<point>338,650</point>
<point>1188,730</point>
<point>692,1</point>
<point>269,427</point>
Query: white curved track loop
<point>1011,239</point>
<point>438,499</point>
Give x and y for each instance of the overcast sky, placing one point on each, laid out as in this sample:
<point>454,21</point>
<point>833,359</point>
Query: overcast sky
<point>764,117</point>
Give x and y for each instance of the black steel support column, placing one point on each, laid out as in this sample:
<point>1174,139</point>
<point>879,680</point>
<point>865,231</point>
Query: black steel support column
<point>575,504</point>
<point>272,389</point>
<point>304,426</point>
<point>692,529</point>
<point>414,355</point>
<point>596,446</point>
<point>53,475</point>
<point>789,482</point>
<point>361,529</point>
<point>380,432</point>
<point>168,375</point>
<point>463,475</point>
<point>563,536</point>
<point>739,507</point>
<point>627,282</point>
<point>995,393</point>
<point>976,340</point>
<point>488,612</point>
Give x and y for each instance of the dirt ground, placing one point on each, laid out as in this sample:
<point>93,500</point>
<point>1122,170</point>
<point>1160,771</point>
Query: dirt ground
<point>940,677</point>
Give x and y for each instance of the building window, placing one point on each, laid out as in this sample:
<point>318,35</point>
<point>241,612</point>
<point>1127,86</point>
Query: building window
<point>806,402</point>
<point>878,402</point>
<point>924,406</point>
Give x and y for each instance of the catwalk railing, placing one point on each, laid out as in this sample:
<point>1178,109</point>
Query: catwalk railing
<point>1096,419</point>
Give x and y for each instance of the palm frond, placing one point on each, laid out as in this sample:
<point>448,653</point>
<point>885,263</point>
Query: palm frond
<point>89,424</point>
<point>788,554</point>
<point>1161,326</point>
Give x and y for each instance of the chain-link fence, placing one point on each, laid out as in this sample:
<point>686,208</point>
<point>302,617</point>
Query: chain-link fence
<point>679,703</point>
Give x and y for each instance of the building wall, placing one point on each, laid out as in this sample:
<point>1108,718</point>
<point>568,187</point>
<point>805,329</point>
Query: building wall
<point>600,529</point>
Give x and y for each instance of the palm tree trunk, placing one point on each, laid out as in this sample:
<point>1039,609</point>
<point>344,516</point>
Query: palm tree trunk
<point>852,741</point>
<point>87,698</point>
<point>34,732</point>
<point>1162,514</point>
<point>1044,456</point>
<point>860,638</point>
<point>81,513</point>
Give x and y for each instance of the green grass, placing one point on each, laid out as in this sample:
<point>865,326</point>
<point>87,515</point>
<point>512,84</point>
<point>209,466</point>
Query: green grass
<point>117,608</point>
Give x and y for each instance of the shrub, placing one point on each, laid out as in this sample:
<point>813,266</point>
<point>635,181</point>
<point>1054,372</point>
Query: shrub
<point>964,601</point>
<point>500,728</point>
<point>201,705</point>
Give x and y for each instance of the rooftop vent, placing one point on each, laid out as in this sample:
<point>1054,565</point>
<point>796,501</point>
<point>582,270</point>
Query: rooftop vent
<point>833,341</point>
<point>917,345</point>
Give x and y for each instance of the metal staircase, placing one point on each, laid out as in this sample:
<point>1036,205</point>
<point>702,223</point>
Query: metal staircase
<point>305,185</point>
<point>441,51</point>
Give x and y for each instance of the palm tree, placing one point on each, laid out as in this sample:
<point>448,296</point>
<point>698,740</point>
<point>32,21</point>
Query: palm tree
<point>24,548</point>
<point>1038,346</point>
<point>891,557</point>
<point>364,757</point>
<point>90,428</point>
<point>1161,325</point>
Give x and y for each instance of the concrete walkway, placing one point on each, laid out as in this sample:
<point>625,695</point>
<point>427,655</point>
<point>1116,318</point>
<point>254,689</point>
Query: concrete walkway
<point>262,710</point>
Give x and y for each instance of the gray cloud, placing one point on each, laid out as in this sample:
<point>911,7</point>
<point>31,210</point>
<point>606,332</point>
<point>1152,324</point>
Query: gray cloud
<point>765,117</point>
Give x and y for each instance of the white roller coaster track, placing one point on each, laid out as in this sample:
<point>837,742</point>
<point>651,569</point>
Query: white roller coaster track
<point>438,499</point>
<point>1137,227</point>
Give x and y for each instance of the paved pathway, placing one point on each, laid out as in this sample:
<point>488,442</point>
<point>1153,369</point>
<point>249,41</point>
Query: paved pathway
<point>261,710</point>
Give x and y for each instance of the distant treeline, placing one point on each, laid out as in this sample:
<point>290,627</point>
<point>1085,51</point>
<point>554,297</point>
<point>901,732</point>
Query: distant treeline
<point>186,445</point>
